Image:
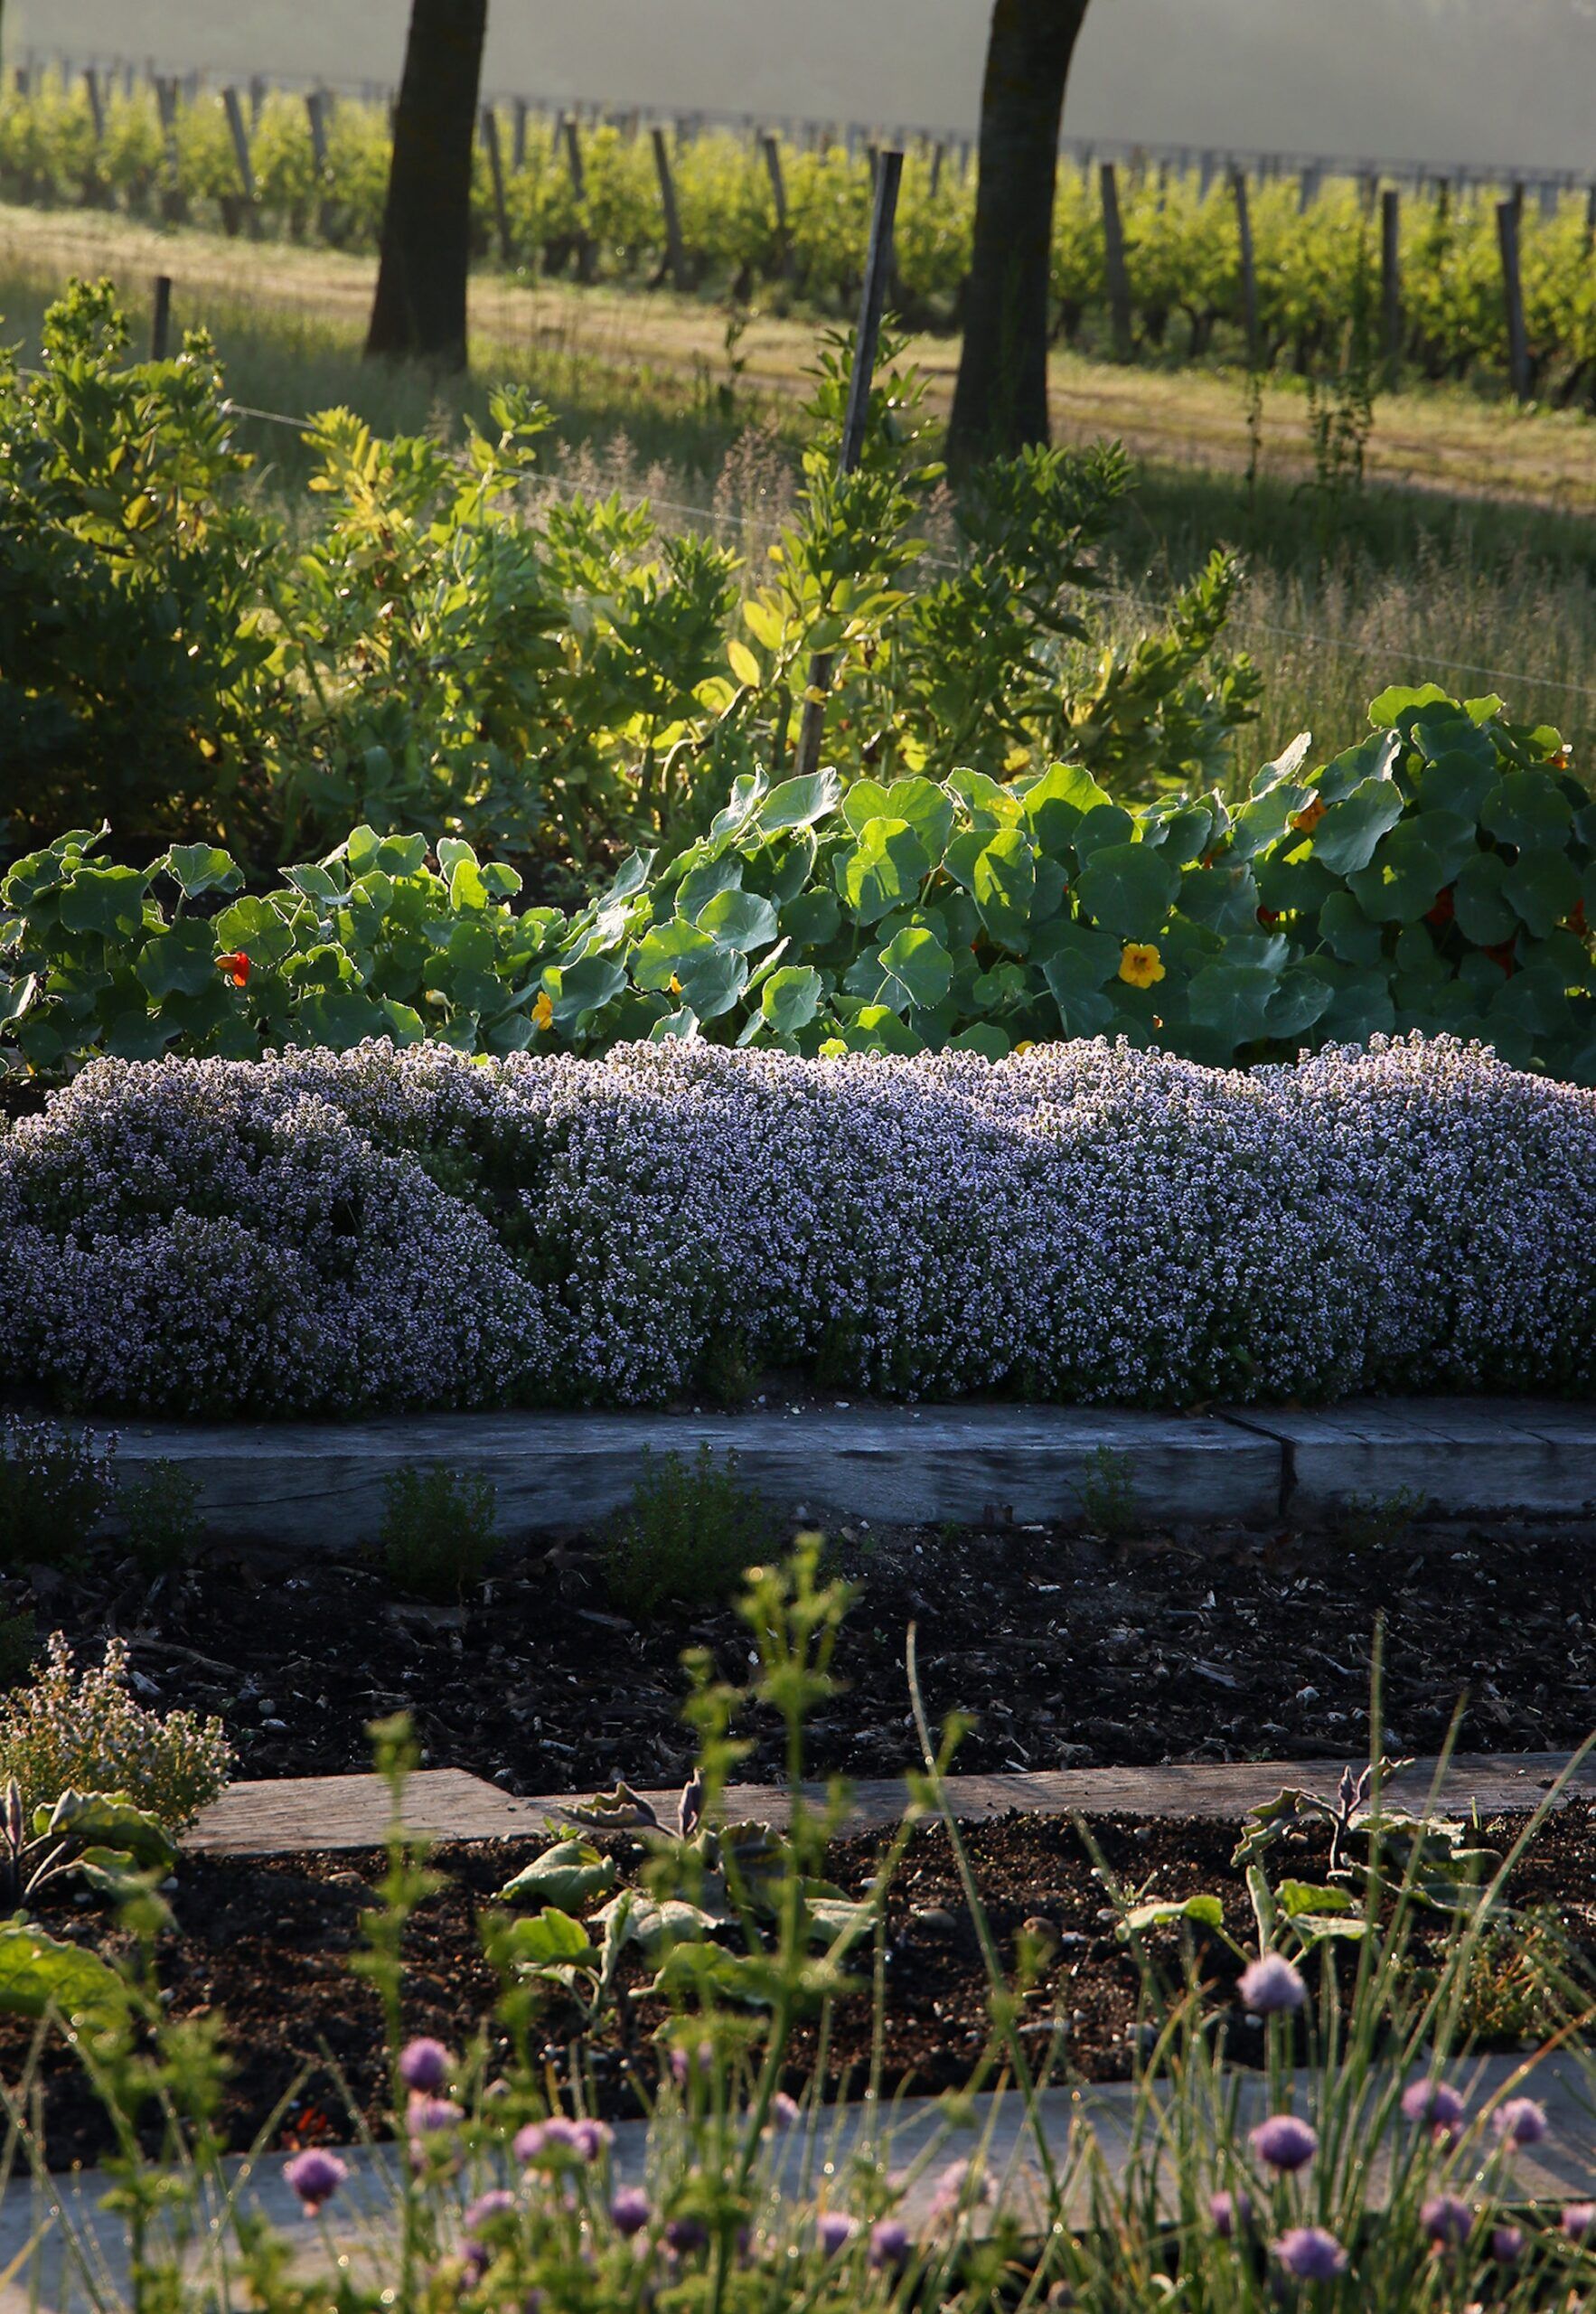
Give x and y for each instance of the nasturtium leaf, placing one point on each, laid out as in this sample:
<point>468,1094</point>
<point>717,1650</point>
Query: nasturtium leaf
<point>790,863</point>
<point>567,1876</point>
<point>1263,818</point>
<point>926,808</point>
<point>1458,781</point>
<point>1348,933</point>
<point>199,868</point>
<point>863,801</point>
<point>584,986</point>
<point>790,998</point>
<point>812,918</point>
<point>1397,703</point>
<point>1345,839</point>
<point>1129,890</point>
<point>991,804</point>
<point>341,1018</point>
<point>405,1024</point>
<point>1535,1002</point>
<point>1412,864</point>
<point>1104,824</point>
<point>706,881</point>
<point>106,900</point>
<point>748,791</point>
<point>920,967</point>
<point>1442,728</point>
<point>1298,1002</point>
<point>799,802</point>
<point>740,920</point>
<point>883,870</point>
<point>1004,883</point>
<point>315,883</point>
<point>1371,758</point>
<point>1182,831</point>
<point>680,1028</point>
<point>1527,808</point>
<point>1084,1009</point>
<point>1545,887</point>
<point>876,1028</point>
<point>181,959</point>
<point>1054,805</point>
<point>1224,897</point>
<point>984,1037</point>
<point>1233,1000</point>
<point>1051,886</point>
<point>664,948</point>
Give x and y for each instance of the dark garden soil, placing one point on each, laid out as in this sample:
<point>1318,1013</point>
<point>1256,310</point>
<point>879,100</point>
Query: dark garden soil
<point>1066,1649</point>
<point>263,1946</point>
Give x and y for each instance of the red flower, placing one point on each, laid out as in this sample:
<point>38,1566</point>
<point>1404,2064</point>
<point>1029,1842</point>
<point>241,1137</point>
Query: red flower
<point>1443,911</point>
<point>1267,916</point>
<point>1577,923</point>
<point>236,965</point>
<point>1504,956</point>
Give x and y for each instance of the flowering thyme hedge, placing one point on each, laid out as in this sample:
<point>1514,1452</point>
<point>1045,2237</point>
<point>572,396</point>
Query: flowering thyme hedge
<point>336,1232</point>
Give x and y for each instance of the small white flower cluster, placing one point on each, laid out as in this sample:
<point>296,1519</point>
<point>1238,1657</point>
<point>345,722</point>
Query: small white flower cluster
<point>331,1232</point>
<point>83,1731</point>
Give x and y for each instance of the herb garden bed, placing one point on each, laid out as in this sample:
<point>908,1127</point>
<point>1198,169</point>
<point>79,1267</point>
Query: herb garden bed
<point>1069,1649</point>
<point>266,1943</point>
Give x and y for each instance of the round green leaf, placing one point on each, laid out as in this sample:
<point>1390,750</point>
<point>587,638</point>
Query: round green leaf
<point>201,867</point>
<point>1527,808</point>
<point>740,920</point>
<point>920,966</point>
<point>1233,1000</point>
<point>1483,913</point>
<point>1129,888</point>
<point>106,900</point>
<point>1345,839</point>
<point>1544,886</point>
<point>1004,883</point>
<point>790,998</point>
<point>799,802</point>
<point>883,870</point>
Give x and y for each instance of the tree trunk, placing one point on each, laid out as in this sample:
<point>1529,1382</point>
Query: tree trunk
<point>1000,401</point>
<point>419,310</point>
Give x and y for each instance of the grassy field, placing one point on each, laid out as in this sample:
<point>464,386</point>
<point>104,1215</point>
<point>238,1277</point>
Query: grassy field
<point>1469,554</point>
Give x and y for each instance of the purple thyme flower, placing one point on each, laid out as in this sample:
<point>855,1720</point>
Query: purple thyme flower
<point>629,2210</point>
<point>836,2229</point>
<point>890,2243</point>
<point>1447,2217</point>
<point>425,2064</point>
<point>1520,2121</point>
<point>1284,2142</point>
<point>316,2177</point>
<point>686,2233</point>
<point>1232,2213</point>
<point>1434,2105</point>
<point>1579,2221</point>
<point>1270,1986</point>
<point>1505,2244</point>
<point>1311,2253</point>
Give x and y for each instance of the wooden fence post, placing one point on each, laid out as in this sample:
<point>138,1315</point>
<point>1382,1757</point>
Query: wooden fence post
<point>1244,225</point>
<point>1307,189</point>
<point>573,155</point>
<point>1391,277</point>
<point>1589,219</point>
<point>240,135</point>
<point>778,194</point>
<point>518,136</point>
<point>495,160</point>
<point>1513,296</point>
<point>938,154</point>
<point>1114,256</point>
<point>856,419</point>
<point>161,318</point>
<point>174,206</point>
<point>1205,173</point>
<point>96,103</point>
<point>675,255</point>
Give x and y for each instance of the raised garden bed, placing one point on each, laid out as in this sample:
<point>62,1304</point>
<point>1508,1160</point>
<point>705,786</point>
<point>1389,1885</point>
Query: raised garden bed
<point>1070,1650</point>
<point>265,1942</point>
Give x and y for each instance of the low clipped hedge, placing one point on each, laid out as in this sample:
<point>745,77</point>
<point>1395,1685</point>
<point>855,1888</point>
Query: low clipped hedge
<point>344,1232</point>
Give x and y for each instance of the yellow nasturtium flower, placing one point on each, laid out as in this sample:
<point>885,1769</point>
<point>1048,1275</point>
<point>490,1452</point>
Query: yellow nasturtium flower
<point>1140,963</point>
<point>1308,817</point>
<point>543,1010</point>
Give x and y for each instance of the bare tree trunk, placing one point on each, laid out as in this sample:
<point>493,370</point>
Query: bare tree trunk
<point>419,310</point>
<point>1000,401</point>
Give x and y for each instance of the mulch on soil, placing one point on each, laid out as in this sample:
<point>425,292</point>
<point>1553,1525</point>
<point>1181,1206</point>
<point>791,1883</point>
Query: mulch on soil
<point>263,1946</point>
<point>1068,1650</point>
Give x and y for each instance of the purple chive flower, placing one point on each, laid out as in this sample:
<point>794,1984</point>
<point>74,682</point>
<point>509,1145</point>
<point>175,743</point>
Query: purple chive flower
<point>1520,2121</point>
<point>686,2233</point>
<point>1232,2213</point>
<point>1433,2104</point>
<point>1447,2217</point>
<point>1579,2221</point>
<point>836,2229</point>
<point>1311,2253</point>
<point>890,2243</point>
<point>1284,2142</point>
<point>431,2116</point>
<point>495,2202</point>
<point>685,2062</point>
<point>566,2140</point>
<point>1505,2244</point>
<point>783,2109</point>
<point>629,2210</point>
<point>316,2177</point>
<point>1270,1986</point>
<point>425,2064</point>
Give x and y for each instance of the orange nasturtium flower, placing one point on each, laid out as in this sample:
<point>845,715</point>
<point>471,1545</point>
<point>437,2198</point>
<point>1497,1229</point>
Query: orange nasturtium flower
<point>1140,963</point>
<point>543,1010</point>
<point>236,965</point>
<point>1308,817</point>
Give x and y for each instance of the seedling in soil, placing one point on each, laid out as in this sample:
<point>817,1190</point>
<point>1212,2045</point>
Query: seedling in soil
<point>439,1531</point>
<point>692,1530</point>
<point>161,1511</point>
<point>55,1489</point>
<point>1108,1496</point>
<point>1373,1522</point>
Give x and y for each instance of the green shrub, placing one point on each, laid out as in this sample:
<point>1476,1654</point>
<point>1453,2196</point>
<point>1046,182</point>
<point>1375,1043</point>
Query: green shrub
<point>160,1513</point>
<point>692,1530</point>
<point>439,1531</point>
<point>82,1731</point>
<point>55,1489</point>
<point>19,1645</point>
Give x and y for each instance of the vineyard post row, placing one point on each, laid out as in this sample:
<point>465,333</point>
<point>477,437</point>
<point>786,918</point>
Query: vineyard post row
<point>171,91</point>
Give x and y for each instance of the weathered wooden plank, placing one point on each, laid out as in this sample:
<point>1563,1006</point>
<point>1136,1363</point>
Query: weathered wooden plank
<point>1458,1456</point>
<point>285,1814</point>
<point>322,1485</point>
